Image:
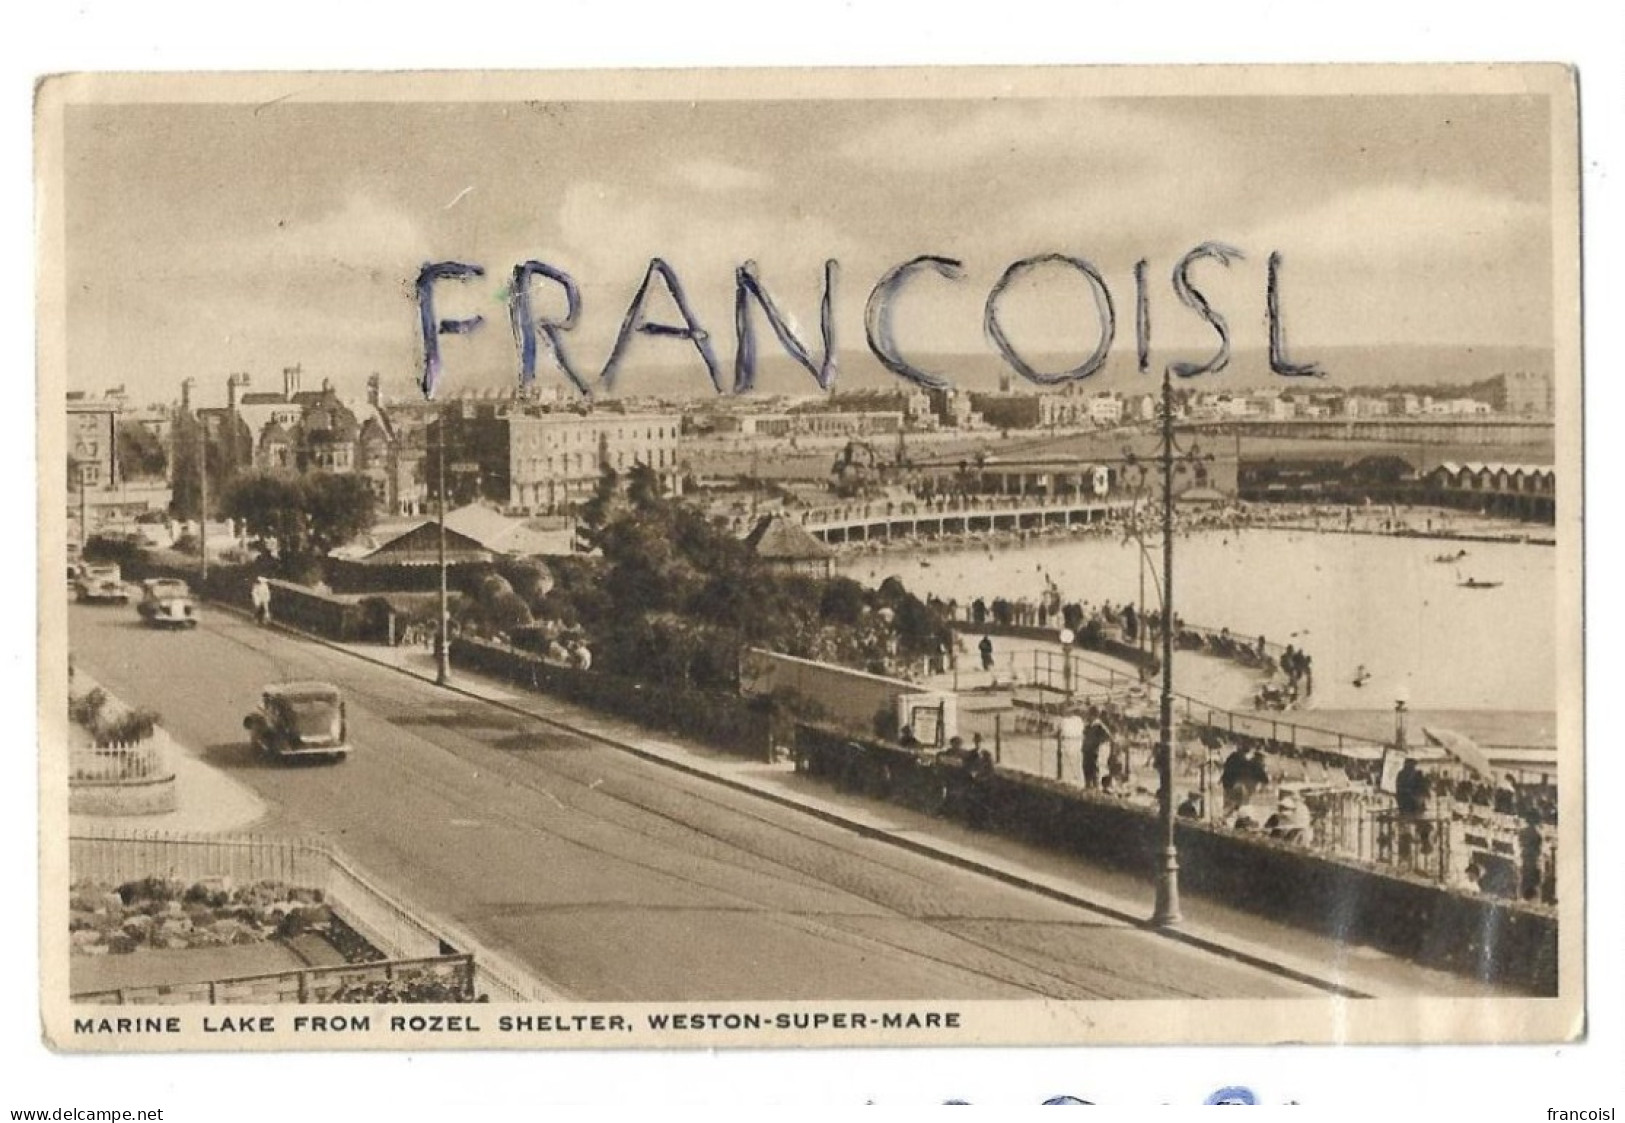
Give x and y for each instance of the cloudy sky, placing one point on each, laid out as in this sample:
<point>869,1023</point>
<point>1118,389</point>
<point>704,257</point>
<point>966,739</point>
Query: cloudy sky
<point>205,239</point>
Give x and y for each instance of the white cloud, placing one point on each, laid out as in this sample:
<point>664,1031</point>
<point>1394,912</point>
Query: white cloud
<point>717,176</point>
<point>1431,263</point>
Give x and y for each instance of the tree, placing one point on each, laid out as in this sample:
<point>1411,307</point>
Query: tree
<point>842,601</point>
<point>599,511</point>
<point>642,486</point>
<point>338,506</point>
<point>226,451</point>
<point>301,517</point>
<point>141,454</point>
<point>270,507</point>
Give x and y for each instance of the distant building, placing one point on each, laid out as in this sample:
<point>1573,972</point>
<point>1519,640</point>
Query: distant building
<point>1141,407</point>
<point>1009,411</point>
<point>1358,405</point>
<point>299,430</point>
<point>1523,393</point>
<point>846,423</point>
<point>550,461</point>
<point>1455,407</point>
<point>1106,409</point>
<point>954,409</point>
<point>1526,491</point>
<point>97,483</point>
<point>93,439</point>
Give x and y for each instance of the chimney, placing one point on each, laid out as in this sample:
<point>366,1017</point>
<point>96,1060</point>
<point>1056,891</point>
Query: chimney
<point>290,381</point>
<point>231,389</point>
<point>375,391</point>
<point>186,394</point>
<point>327,385</point>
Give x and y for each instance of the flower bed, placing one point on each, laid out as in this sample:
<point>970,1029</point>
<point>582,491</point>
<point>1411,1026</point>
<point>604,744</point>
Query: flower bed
<point>173,914</point>
<point>118,763</point>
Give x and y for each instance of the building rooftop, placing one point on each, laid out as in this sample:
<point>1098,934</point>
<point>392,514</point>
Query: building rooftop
<point>776,538</point>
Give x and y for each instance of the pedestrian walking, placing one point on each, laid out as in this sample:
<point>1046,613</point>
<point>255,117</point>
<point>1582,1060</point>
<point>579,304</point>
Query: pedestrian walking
<point>260,595</point>
<point>986,648</point>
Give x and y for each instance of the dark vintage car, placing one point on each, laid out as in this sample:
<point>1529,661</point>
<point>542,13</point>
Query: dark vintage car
<point>101,583</point>
<point>300,719</point>
<point>166,602</point>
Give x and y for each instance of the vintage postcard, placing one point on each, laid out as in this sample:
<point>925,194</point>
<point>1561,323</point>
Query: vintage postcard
<point>810,558</point>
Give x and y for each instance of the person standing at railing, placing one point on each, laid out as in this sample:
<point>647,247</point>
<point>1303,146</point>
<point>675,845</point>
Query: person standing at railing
<point>1411,793</point>
<point>1097,738</point>
<point>1233,780</point>
<point>1531,845</point>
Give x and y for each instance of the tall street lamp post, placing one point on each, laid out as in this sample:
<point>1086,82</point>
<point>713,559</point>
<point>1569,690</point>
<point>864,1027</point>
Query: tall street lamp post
<point>203,500</point>
<point>442,668</point>
<point>1166,912</point>
<point>1171,459</point>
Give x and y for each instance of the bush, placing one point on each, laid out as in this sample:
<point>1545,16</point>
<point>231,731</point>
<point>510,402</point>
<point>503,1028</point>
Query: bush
<point>375,617</point>
<point>86,710</point>
<point>121,550</point>
<point>133,725</point>
<point>150,889</point>
<point>302,570</point>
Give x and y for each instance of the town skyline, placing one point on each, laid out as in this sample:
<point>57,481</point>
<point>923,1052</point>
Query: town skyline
<point>1348,369</point>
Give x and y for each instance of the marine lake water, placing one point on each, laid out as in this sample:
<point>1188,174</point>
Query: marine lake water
<point>1350,600</point>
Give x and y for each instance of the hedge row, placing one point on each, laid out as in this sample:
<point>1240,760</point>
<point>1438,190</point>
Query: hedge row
<point>718,720</point>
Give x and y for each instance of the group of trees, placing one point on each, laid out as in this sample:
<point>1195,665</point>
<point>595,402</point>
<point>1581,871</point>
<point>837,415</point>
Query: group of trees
<point>666,595</point>
<point>299,518</point>
<point>673,597</point>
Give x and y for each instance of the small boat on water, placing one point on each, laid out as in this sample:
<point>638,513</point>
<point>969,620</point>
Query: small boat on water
<point>1450,559</point>
<point>1474,583</point>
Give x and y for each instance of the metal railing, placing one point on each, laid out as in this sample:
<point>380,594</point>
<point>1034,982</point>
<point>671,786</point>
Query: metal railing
<point>965,505</point>
<point>341,983</point>
<point>119,763</point>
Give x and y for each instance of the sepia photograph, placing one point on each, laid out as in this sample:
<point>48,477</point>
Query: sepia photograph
<point>778,558</point>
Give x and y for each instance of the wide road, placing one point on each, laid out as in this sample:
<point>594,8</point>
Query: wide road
<point>614,878</point>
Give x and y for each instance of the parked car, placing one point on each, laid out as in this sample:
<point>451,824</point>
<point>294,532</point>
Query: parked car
<point>101,583</point>
<point>300,719</point>
<point>166,602</point>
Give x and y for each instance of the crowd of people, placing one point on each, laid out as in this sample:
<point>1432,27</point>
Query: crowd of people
<point>1110,747</point>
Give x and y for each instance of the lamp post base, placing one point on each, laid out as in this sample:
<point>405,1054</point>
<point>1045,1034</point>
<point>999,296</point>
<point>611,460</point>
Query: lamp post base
<point>442,662</point>
<point>1166,913</point>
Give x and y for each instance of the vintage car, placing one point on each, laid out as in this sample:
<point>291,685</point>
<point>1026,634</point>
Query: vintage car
<point>300,719</point>
<point>101,583</point>
<point>166,602</point>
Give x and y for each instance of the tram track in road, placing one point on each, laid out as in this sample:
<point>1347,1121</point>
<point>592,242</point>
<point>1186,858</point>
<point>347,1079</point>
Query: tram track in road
<point>812,929</point>
<point>1030,975</point>
<point>1188,939</point>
